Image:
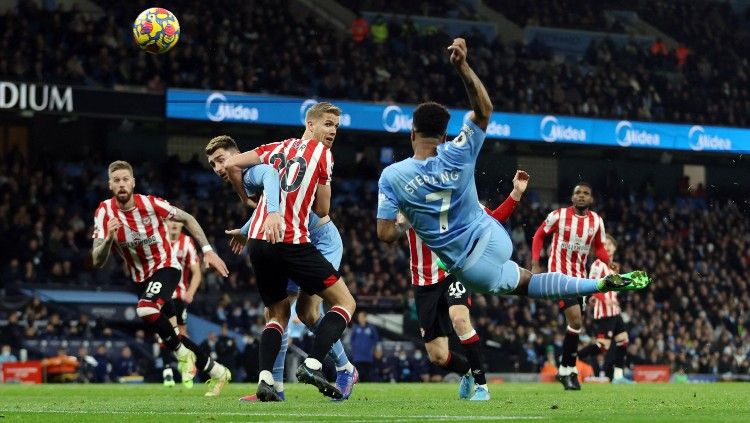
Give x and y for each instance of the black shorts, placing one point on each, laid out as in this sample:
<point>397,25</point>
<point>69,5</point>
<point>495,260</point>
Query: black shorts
<point>276,264</point>
<point>180,310</point>
<point>433,302</point>
<point>608,327</point>
<point>566,303</point>
<point>160,286</point>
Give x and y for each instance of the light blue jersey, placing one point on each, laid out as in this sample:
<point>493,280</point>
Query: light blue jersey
<point>439,198</point>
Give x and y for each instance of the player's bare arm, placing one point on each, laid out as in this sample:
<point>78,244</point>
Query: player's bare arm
<point>210,258</point>
<point>520,183</point>
<point>392,230</point>
<point>196,276</point>
<point>481,105</point>
<point>100,251</point>
<point>322,203</point>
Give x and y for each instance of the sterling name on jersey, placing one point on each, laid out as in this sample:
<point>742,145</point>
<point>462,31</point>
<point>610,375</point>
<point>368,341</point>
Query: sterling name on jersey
<point>439,196</point>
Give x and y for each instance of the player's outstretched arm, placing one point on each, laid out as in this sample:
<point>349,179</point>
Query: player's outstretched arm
<point>481,105</point>
<point>209,256</point>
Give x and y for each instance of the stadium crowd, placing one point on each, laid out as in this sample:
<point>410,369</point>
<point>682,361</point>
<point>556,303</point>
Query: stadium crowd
<point>279,49</point>
<point>695,316</point>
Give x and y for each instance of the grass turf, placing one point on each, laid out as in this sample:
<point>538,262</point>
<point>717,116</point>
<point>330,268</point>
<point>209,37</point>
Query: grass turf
<point>378,402</point>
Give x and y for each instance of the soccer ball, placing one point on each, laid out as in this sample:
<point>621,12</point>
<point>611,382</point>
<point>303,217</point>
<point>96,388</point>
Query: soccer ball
<point>156,30</point>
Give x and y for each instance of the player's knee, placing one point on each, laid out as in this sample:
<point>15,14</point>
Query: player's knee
<point>148,310</point>
<point>461,325</point>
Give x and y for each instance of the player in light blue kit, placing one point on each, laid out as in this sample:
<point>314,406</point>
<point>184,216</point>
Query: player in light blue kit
<point>324,236</point>
<point>436,192</point>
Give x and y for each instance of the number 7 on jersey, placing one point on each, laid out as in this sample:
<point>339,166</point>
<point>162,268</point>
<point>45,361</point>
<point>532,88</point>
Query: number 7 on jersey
<point>445,196</point>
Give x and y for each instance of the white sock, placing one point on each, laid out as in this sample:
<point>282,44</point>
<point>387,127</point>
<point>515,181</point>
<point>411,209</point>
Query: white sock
<point>218,370</point>
<point>313,363</point>
<point>181,351</point>
<point>266,376</point>
<point>484,387</point>
<point>573,369</point>
<point>563,370</point>
<point>618,374</point>
<point>167,372</point>
<point>349,367</point>
<point>278,386</point>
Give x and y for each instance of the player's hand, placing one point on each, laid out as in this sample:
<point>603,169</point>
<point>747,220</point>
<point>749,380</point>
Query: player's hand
<point>615,267</point>
<point>188,297</point>
<point>458,52</point>
<point>536,268</point>
<point>272,228</point>
<point>212,260</point>
<point>113,226</point>
<point>237,241</point>
<point>520,182</point>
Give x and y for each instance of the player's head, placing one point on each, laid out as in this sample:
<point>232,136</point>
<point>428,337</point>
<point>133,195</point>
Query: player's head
<point>610,244</point>
<point>583,196</point>
<point>218,150</point>
<point>322,122</point>
<point>430,120</point>
<point>121,180</point>
<point>175,228</point>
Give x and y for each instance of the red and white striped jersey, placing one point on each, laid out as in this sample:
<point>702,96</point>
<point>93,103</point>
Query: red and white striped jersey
<point>604,304</point>
<point>424,268</point>
<point>302,165</point>
<point>143,240</point>
<point>187,255</point>
<point>572,239</point>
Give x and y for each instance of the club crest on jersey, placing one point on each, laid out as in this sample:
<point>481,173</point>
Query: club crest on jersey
<point>146,220</point>
<point>460,140</point>
<point>591,231</point>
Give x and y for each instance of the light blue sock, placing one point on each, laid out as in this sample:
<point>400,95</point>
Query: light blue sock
<point>278,365</point>
<point>557,285</point>
<point>337,353</point>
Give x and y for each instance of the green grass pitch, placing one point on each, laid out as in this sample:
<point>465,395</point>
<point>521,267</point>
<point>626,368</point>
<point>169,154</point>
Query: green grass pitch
<point>378,402</point>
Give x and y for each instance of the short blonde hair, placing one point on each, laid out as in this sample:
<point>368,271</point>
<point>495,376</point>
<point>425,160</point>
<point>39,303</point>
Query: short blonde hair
<point>222,141</point>
<point>319,109</point>
<point>119,165</point>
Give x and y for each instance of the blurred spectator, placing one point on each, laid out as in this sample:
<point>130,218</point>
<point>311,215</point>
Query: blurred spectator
<point>379,30</point>
<point>125,365</point>
<point>421,366</point>
<point>360,29</point>
<point>103,367</point>
<point>209,345</point>
<point>6,355</point>
<point>226,349</point>
<point>364,338</point>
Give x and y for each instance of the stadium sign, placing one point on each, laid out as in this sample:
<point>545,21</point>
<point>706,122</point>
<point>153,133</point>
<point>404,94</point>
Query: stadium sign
<point>550,130</point>
<point>397,119</point>
<point>35,97</point>
<point>218,109</point>
<point>627,135</point>
<point>700,140</point>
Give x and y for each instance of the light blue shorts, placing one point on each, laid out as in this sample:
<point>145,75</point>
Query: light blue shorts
<point>328,241</point>
<point>488,268</point>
